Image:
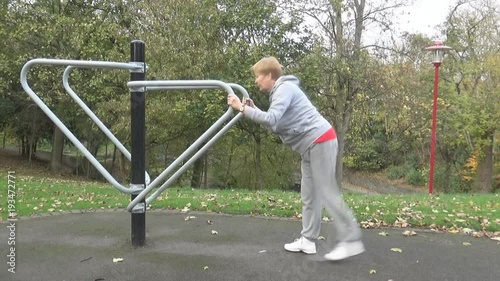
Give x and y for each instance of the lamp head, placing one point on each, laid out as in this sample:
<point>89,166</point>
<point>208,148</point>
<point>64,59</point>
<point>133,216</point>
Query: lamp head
<point>438,50</point>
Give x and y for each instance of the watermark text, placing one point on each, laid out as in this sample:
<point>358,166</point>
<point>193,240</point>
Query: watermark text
<point>11,221</point>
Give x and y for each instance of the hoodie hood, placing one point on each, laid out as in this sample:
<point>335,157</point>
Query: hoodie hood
<point>285,78</point>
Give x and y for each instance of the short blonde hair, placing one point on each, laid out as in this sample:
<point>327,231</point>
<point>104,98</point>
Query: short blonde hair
<point>268,65</point>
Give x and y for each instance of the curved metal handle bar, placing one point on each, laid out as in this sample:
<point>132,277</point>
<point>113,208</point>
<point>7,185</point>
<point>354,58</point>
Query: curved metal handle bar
<point>240,89</point>
<point>193,146</point>
<point>91,114</point>
<point>180,84</point>
<point>232,85</point>
<point>55,119</point>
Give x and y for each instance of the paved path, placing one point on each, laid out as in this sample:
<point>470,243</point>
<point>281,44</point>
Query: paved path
<point>81,247</point>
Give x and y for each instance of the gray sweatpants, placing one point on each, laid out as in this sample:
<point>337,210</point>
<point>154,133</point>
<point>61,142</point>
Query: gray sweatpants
<point>319,188</point>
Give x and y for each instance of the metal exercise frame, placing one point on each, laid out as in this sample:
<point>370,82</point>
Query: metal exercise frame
<point>137,68</point>
<point>140,184</point>
<point>55,119</point>
<point>187,85</point>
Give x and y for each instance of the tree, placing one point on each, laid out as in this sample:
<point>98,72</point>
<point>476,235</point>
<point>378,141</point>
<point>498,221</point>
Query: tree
<point>252,30</point>
<point>341,26</point>
<point>67,29</point>
<point>473,31</point>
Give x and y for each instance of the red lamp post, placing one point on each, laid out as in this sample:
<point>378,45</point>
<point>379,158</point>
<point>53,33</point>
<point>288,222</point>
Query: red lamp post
<point>438,50</point>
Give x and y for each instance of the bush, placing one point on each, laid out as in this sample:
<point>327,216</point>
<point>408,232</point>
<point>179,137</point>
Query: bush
<point>395,172</point>
<point>496,184</point>
<point>449,183</point>
<point>415,177</point>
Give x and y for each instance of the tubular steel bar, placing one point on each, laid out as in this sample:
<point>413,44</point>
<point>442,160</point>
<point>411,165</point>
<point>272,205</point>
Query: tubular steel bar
<point>55,119</point>
<point>94,118</point>
<point>138,137</point>
<point>179,85</point>
<point>91,114</point>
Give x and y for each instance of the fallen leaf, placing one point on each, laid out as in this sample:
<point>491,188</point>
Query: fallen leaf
<point>400,222</point>
<point>262,251</point>
<point>209,222</point>
<point>396,250</point>
<point>321,238</point>
<point>205,267</point>
<point>409,233</point>
<point>495,238</point>
<point>214,232</point>
<point>189,218</point>
<point>326,219</point>
<point>373,271</point>
<point>467,230</point>
<point>115,260</point>
<point>383,233</point>
<point>453,231</point>
<point>466,244</point>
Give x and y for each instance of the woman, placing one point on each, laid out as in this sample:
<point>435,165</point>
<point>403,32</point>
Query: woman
<point>301,127</point>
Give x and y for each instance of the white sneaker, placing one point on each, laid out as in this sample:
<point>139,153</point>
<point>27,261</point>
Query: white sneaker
<point>345,249</point>
<point>302,245</point>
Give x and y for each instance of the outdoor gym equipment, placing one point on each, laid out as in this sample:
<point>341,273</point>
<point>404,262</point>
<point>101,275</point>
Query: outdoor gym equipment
<point>140,184</point>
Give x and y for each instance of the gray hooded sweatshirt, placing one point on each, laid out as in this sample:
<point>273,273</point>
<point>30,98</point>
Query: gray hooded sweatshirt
<point>291,115</point>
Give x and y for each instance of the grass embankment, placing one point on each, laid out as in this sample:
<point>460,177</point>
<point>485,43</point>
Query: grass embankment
<point>476,214</point>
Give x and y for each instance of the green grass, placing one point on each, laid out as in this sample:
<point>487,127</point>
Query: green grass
<point>39,194</point>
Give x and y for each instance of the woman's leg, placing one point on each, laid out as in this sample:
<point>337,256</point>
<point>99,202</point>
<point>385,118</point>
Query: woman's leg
<point>322,167</point>
<point>311,202</point>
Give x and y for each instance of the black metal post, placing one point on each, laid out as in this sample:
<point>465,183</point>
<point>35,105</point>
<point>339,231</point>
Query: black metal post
<point>138,131</point>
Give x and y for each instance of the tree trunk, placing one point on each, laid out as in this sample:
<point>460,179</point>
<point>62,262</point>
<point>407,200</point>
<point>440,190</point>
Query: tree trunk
<point>22,147</point>
<point>106,152</point>
<point>339,168</point>
<point>57,150</point>
<point>258,163</point>
<point>205,171</point>
<point>447,177</point>
<point>228,169</point>
<point>484,174</point>
<point>341,124</point>
<point>113,160</point>
<point>123,165</point>
<point>197,173</point>
<point>93,148</point>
